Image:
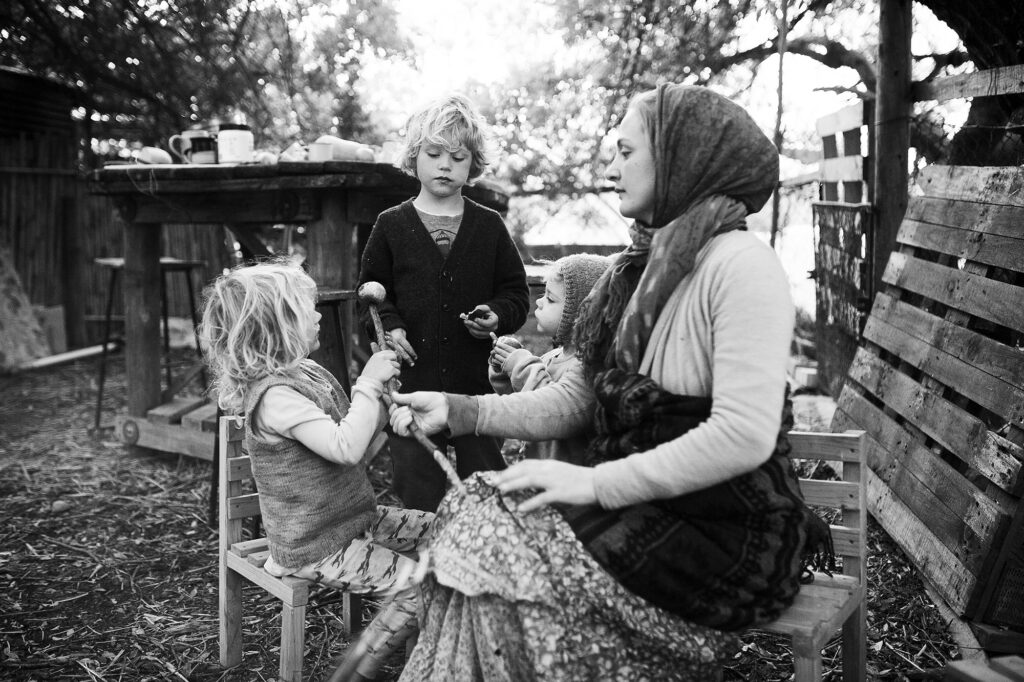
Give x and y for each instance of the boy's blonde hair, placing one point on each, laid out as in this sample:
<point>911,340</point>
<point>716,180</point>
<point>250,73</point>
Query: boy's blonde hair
<point>255,323</point>
<point>449,123</point>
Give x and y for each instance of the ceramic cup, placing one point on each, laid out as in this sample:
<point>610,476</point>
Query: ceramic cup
<point>234,143</point>
<point>181,145</point>
<point>203,150</point>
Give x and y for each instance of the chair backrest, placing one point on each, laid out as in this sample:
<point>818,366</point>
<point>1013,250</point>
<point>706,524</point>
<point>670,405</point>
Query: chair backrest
<point>849,494</point>
<point>235,504</point>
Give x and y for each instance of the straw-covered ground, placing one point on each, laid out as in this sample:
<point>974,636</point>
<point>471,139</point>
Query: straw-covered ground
<point>108,564</point>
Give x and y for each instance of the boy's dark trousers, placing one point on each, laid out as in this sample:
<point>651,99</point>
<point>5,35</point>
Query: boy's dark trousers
<point>417,479</point>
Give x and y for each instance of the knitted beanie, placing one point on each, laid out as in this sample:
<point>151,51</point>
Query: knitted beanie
<point>579,273</point>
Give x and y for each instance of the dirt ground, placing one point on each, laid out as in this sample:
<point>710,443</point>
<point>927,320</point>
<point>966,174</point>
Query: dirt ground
<point>109,565</point>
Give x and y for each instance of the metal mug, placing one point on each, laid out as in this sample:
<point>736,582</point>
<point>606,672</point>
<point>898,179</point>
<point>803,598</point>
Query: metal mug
<point>181,145</point>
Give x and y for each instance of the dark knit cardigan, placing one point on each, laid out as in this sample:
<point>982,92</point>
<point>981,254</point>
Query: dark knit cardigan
<point>311,506</point>
<point>426,293</point>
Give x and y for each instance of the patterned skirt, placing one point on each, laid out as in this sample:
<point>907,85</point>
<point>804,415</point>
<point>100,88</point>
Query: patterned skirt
<point>516,597</point>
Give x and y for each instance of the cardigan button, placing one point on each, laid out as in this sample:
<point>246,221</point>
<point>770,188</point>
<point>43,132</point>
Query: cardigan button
<point>444,339</point>
<point>445,306</point>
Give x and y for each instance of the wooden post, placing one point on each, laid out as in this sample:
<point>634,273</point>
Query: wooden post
<point>74,281</point>
<point>142,316</point>
<point>892,129</point>
<point>333,263</point>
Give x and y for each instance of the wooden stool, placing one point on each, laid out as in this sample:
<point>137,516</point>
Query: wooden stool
<point>167,266</point>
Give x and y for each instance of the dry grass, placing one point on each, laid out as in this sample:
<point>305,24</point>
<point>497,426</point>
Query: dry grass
<point>109,567</point>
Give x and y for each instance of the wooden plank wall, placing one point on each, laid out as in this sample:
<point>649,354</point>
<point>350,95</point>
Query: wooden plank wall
<point>55,229</point>
<point>938,385</point>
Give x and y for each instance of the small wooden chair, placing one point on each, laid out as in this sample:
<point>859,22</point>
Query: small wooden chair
<point>243,560</point>
<point>837,601</point>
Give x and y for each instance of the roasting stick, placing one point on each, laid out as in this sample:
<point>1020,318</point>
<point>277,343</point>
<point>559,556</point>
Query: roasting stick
<point>372,293</point>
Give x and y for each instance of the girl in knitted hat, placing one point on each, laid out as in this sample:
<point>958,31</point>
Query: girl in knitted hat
<point>513,368</point>
<point>308,444</point>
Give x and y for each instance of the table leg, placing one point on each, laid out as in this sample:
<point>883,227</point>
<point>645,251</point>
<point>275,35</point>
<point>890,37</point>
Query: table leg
<point>333,259</point>
<point>142,316</point>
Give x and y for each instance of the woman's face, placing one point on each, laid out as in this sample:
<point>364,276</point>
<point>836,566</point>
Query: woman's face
<point>632,170</point>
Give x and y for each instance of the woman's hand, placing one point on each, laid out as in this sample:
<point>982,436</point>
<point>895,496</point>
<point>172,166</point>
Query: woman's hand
<point>428,409</point>
<point>382,366</point>
<point>397,340</point>
<point>557,481</point>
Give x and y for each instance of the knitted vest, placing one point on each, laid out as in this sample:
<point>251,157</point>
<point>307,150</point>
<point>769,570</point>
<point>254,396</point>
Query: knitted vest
<point>311,507</point>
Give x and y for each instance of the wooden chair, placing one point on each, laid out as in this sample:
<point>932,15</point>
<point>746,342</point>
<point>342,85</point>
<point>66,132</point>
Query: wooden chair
<point>838,601</point>
<point>243,560</point>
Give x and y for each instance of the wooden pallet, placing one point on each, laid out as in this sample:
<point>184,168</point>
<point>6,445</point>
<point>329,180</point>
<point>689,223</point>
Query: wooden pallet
<point>938,384</point>
<point>186,426</point>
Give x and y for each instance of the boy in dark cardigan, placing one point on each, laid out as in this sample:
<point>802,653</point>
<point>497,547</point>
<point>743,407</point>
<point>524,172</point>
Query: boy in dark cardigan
<point>452,276</point>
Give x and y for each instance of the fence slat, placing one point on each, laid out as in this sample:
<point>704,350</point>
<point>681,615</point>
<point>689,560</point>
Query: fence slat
<point>982,297</point>
<point>1004,80</point>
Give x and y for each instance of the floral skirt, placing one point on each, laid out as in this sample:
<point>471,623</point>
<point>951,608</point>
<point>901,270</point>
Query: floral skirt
<point>516,597</point>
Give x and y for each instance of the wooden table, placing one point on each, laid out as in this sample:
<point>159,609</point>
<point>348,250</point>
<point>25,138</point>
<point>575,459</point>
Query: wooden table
<point>336,201</point>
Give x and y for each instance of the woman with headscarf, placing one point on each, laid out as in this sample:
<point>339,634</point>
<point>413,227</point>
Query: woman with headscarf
<point>685,524</point>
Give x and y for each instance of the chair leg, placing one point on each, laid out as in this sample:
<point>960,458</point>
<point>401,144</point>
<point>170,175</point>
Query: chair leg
<point>103,353</point>
<point>166,313</point>
<point>195,321</point>
<point>230,616</point>
<point>855,646</point>
<point>807,663</point>
<point>213,510</point>
<point>293,634</point>
<point>807,669</point>
<point>351,613</point>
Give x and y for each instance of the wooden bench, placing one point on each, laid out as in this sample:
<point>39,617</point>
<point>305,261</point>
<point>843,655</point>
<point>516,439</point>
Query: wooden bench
<point>242,560</point>
<point>837,601</point>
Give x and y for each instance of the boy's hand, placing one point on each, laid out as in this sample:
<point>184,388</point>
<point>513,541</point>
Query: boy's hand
<point>503,347</point>
<point>480,322</point>
<point>382,366</point>
<point>396,337</point>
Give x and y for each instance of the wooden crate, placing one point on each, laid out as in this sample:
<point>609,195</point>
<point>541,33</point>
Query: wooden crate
<point>938,384</point>
<point>186,426</point>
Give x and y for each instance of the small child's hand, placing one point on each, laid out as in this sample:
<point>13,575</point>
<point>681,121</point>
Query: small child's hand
<point>382,366</point>
<point>480,322</point>
<point>503,347</point>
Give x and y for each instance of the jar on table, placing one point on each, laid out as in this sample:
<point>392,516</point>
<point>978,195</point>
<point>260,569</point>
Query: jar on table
<point>234,143</point>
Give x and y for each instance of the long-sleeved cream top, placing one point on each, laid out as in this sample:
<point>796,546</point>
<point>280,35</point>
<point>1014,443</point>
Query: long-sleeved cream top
<point>725,333</point>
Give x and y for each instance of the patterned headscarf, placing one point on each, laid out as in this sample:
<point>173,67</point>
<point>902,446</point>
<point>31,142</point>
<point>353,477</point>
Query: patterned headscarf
<point>713,167</point>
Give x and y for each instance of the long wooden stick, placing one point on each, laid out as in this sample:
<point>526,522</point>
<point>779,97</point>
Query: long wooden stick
<point>414,429</point>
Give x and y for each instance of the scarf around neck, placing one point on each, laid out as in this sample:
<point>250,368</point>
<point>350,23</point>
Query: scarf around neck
<point>713,166</point>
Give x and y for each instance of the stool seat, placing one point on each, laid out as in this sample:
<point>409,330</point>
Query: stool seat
<point>167,264</point>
